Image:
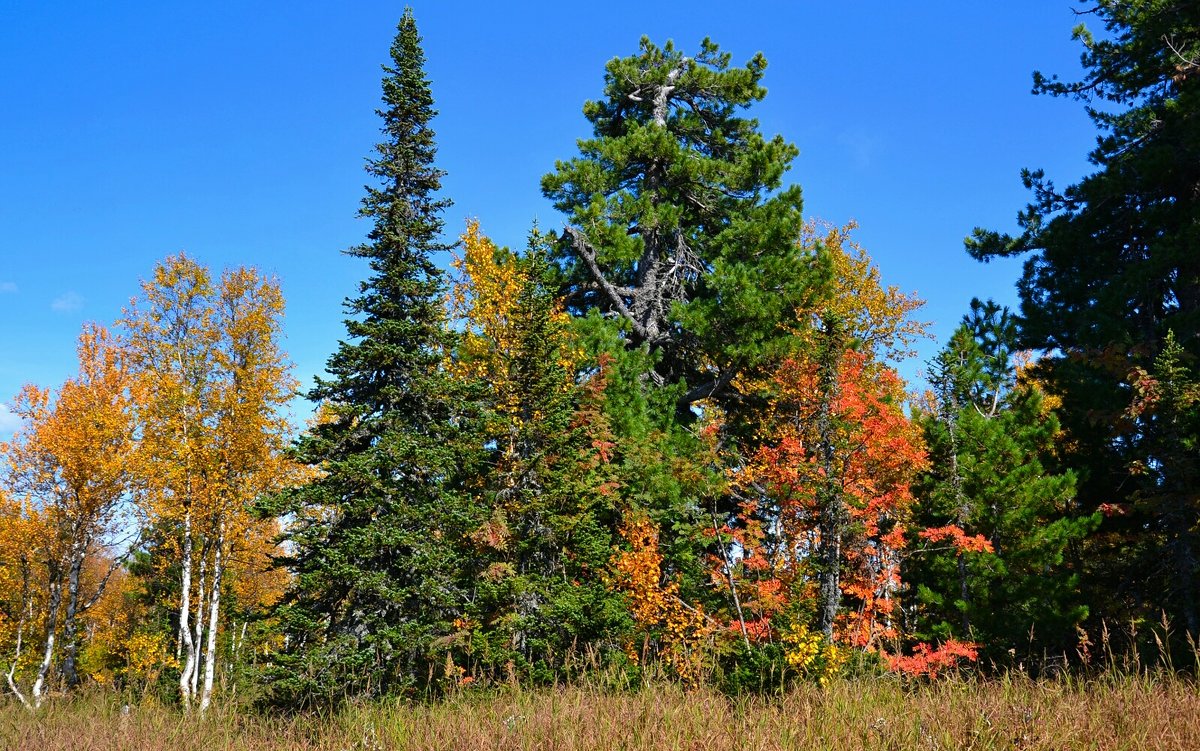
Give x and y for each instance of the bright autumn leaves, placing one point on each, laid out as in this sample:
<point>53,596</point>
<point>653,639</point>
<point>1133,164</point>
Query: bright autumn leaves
<point>824,497</point>
<point>169,431</point>
<point>811,559</point>
<point>174,425</point>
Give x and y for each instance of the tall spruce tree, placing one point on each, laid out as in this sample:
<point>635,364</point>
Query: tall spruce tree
<point>1112,270</point>
<point>377,578</point>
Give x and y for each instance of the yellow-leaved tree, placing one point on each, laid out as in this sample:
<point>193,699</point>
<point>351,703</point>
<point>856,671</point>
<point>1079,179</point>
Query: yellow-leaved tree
<point>22,589</point>
<point>69,465</point>
<point>211,387</point>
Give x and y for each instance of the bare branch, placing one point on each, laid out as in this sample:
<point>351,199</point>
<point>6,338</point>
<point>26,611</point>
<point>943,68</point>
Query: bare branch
<point>112,568</point>
<point>1185,61</point>
<point>588,254</point>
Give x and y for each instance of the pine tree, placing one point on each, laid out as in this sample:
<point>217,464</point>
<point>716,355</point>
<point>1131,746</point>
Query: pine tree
<point>679,225</point>
<point>1112,268</point>
<point>682,262</point>
<point>377,573</point>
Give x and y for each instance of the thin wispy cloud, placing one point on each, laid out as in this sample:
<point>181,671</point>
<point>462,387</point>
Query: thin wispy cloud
<point>8,288</point>
<point>8,421</point>
<point>68,302</point>
<point>861,145</point>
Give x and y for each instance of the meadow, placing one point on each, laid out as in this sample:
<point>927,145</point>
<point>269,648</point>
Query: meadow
<point>1013,712</point>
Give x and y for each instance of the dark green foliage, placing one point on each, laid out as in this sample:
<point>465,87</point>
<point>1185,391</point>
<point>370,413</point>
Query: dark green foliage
<point>991,437</point>
<point>1113,268</point>
<point>378,579</point>
<point>540,605</point>
<point>758,669</point>
<point>679,226</point>
<point>1165,487</point>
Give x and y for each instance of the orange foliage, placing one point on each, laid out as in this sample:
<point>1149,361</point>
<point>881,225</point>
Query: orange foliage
<point>71,460</point>
<point>72,457</point>
<point>959,539</point>
<point>655,605</point>
<point>928,661</point>
<point>877,452</point>
<point>833,443</point>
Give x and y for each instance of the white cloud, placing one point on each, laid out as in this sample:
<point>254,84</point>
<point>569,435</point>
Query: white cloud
<point>8,421</point>
<point>67,302</point>
<point>8,288</point>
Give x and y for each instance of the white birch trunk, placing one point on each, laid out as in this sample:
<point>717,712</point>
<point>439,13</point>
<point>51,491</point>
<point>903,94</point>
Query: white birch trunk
<point>198,635</point>
<point>39,685</point>
<point>214,614</point>
<point>185,611</point>
<point>26,616</point>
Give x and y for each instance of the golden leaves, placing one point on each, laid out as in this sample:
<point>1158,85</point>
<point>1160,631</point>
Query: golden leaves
<point>71,457</point>
<point>212,383</point>
<point>657,607</point>
<point>877,318</point>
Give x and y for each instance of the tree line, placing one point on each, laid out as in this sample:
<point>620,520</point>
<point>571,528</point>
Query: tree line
<point>670,436</point>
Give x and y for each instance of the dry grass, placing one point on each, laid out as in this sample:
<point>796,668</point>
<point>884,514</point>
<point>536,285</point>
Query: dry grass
<point>1011,713</point>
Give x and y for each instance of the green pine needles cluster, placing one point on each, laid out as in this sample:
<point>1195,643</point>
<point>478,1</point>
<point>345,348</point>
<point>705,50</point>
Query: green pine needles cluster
<point>640,441</point>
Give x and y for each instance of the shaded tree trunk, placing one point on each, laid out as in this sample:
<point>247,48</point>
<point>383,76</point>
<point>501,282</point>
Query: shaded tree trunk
<point>53,606</point>
<point>831,504</point>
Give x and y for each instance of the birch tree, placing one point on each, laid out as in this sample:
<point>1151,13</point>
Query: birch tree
<point>212,384</point>
<point>71,463</point>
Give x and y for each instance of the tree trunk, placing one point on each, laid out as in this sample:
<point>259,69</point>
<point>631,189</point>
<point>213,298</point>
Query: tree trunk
<point>832,512</point>
<point>198,635</point>
<point>960,501</point>
<point>39,685</point>
<point>185,611</point>
<point>70,645</point>
<point>214,613</point>
<point>964,593</point>
<point>829,553</point>
<point>26,616</point>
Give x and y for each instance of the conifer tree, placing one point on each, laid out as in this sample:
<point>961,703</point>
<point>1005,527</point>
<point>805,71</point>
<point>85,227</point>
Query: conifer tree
<point>551,497</point>
<point>679,225</point>
<point>377,577</point>
<point>1111,269</point>
<point>996,555</point>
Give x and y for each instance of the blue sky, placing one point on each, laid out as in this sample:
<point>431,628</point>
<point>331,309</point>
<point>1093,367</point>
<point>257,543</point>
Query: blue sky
<point>237,132</point>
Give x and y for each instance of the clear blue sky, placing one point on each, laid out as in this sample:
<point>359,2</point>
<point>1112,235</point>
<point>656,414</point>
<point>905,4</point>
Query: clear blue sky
<point>236,132</point>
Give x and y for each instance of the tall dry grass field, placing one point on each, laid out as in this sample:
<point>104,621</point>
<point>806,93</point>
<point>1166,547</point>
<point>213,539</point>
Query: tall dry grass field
<point>1010,713</point>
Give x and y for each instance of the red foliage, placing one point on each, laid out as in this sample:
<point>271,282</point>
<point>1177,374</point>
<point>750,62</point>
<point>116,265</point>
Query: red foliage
<point>959,539</point>
<point>928,661</point>
<point>876,451</point>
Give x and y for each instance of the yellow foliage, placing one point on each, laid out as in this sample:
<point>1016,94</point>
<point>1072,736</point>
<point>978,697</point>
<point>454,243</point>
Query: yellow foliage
<point>485,297</point>
<point>878,318</point>
<point>807,651</point>
<point>656,607</point>
<point>490,298</point>
<point>801,647</point>
<point>211,389</point>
